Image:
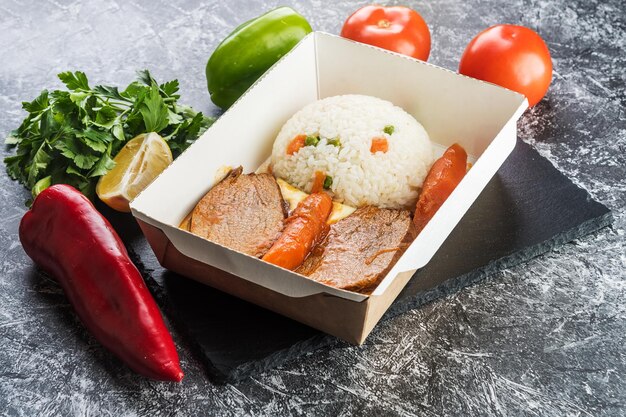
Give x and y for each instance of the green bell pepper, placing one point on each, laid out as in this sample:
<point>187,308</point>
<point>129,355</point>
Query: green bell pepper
<point>250,50</point>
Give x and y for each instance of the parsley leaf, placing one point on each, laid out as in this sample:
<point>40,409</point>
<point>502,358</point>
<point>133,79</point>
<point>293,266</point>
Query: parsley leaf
<point>170,88</point>
<point>71,136</point>
<point>104,165</point>
<point>37,105</point>
<point>154,111</point>
<point>74,80</point>
<point>145,77</point>
<point>108,91</point>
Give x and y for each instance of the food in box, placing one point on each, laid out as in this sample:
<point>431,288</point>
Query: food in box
<point>451,108</point>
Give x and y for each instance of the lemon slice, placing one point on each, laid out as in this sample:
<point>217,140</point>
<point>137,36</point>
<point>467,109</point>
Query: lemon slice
<point>139,162</point>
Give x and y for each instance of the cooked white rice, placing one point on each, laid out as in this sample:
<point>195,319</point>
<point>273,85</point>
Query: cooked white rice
<point>389,180</point>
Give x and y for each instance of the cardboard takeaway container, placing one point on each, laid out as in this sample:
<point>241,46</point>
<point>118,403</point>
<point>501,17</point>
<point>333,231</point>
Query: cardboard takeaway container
<point>452,108</point>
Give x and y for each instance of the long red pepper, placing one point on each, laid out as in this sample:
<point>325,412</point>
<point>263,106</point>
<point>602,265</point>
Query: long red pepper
<point>67,237</point>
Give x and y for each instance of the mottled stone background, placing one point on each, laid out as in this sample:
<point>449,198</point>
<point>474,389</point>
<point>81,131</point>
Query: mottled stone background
<point>545,338</point>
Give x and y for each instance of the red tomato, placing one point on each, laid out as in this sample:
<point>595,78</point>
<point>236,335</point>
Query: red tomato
<point>396,28</point>
<point>511,56</point>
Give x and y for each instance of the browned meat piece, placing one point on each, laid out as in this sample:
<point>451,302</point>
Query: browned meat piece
<point>242,212</point>
<point>360,249</point>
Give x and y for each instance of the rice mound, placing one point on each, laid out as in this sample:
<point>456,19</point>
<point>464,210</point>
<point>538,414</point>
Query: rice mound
<point>387,180</point>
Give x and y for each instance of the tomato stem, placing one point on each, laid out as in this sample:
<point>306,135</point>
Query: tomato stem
<point>384,23</point>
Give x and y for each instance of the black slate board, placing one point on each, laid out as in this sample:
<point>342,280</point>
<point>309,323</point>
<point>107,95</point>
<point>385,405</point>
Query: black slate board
<point>528,208</point>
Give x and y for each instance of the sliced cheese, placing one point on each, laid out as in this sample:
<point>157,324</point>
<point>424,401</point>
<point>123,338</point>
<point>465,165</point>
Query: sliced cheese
<point>294,196</point>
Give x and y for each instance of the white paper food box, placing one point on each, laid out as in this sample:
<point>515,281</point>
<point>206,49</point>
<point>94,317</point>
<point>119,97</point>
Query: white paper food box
<point>452,108</point>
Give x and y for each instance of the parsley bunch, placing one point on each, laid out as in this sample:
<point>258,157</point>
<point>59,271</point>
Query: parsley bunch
<point>70,137</point>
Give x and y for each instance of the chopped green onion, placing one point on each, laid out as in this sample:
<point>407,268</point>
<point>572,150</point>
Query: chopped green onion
<point>311,140</point>
<point>328,182</point>
<point>389,129</point>
<point>334,141</point>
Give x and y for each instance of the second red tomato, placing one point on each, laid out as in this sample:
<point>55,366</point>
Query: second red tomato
<point>512,56</point>
<point>398,28</point>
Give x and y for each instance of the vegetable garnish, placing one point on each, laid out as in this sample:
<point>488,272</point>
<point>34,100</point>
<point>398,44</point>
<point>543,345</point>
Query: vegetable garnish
<point>295,144</point>
<point>303,230</point>
<point>311,141</point>
<point>72,136</point>
<point>379,145</point>
<point>334,141</point>
<point>328,182</point>
<point>389,129</point>
<point>319,179</point>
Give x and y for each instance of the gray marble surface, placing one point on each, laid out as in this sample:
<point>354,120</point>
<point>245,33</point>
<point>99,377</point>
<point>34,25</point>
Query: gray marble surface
<point>544,338</point>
